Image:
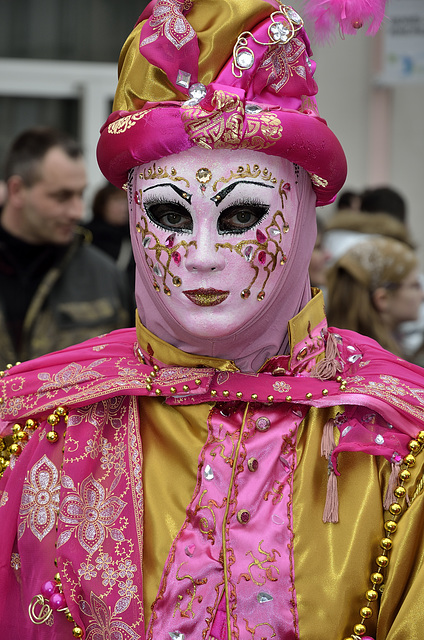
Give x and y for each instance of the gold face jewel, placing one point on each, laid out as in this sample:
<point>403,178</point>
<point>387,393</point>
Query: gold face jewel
<point>176,281</point>
<point>203,175</point>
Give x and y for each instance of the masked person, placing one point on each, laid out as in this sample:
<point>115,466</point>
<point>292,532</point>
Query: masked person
<point>180,481</point>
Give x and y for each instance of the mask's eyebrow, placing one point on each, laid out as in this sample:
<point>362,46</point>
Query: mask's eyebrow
<point>183,194</point>
<point>224,192</point>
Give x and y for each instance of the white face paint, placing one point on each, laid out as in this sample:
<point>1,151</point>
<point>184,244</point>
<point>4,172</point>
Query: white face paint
<point>215,230</point>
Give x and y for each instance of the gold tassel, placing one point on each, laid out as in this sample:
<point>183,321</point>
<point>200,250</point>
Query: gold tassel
<point>327,440</point>
<point>327,368</point>
<point>392,484</point>
<point>331,509</point>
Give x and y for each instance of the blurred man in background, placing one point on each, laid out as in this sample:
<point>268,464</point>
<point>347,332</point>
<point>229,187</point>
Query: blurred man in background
<point>55,289</point>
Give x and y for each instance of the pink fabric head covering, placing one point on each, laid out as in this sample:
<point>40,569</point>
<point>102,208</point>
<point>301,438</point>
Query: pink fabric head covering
<point>266,334</point>
<point>227,73</point>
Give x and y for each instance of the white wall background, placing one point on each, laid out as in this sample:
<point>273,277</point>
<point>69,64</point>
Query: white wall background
<point>380,128</point>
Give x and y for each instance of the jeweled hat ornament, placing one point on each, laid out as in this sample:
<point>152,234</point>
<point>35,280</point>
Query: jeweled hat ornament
<point>227,74</point>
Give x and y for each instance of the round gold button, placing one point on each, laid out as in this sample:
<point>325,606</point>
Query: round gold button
<point>243,516</point>
<point>262,424</point>
<point>252,464</point>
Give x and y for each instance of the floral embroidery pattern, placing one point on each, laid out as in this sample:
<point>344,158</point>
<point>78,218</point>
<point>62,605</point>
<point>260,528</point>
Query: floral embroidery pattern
<point>281,387</point>
<point>100,525</point>
<point>15,561</point>
<point>282,62</point>
<point>109,577</point>
<point>103,625</point>
<point>110,573</point>
<point>181,375</point>
<point>15,405</point>
<point>92,513</point>
<point>127,589</point>
<point>110,410</point>
<point>70,383</point>
<point>87,571</point>
<point>103,561</point>
<point>168,20</point>
<point>126,569</point>
<point>68,377</point>
<point>112,456</point>
<point>392,390</point>
<point>40,499</point>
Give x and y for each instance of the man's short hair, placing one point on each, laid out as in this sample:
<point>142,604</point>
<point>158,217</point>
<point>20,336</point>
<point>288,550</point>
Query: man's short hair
<point>29,148</point>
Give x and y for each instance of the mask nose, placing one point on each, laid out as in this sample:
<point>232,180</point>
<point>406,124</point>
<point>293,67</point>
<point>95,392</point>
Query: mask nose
<point>205,257</point>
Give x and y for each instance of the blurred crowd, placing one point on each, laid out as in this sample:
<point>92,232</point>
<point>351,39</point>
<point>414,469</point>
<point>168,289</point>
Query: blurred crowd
<point>365,262</point>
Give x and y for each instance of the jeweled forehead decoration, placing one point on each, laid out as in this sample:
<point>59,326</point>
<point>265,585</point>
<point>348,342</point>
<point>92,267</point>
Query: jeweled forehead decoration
<point>285,24</point>
<point>153,173</point>
<point>246,172</point>
<point>203,176</point>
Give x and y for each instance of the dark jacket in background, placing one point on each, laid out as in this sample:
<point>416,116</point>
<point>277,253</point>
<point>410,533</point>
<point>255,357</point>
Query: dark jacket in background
<point>54,296</point>
<point>116,242</point>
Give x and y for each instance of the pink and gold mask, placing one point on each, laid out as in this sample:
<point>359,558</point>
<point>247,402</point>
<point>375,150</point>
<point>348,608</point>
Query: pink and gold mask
<point>213,233</point>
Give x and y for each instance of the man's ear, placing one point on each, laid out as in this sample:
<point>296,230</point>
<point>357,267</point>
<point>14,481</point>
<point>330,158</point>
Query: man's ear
<point>15,190</point>
<point>380,298</point>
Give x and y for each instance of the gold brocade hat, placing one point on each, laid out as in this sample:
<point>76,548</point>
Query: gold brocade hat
<point>223,74</point>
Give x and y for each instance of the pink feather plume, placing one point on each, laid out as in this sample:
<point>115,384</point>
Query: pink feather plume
<point>347,15</point>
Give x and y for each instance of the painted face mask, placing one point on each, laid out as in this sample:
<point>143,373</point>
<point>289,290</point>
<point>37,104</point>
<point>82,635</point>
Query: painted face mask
<point>215,235</point>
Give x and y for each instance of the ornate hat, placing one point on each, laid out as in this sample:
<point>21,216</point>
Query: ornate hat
<point>223,74</point>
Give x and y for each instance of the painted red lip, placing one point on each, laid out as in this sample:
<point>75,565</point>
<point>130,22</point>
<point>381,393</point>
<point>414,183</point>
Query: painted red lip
<point>206,297</point>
